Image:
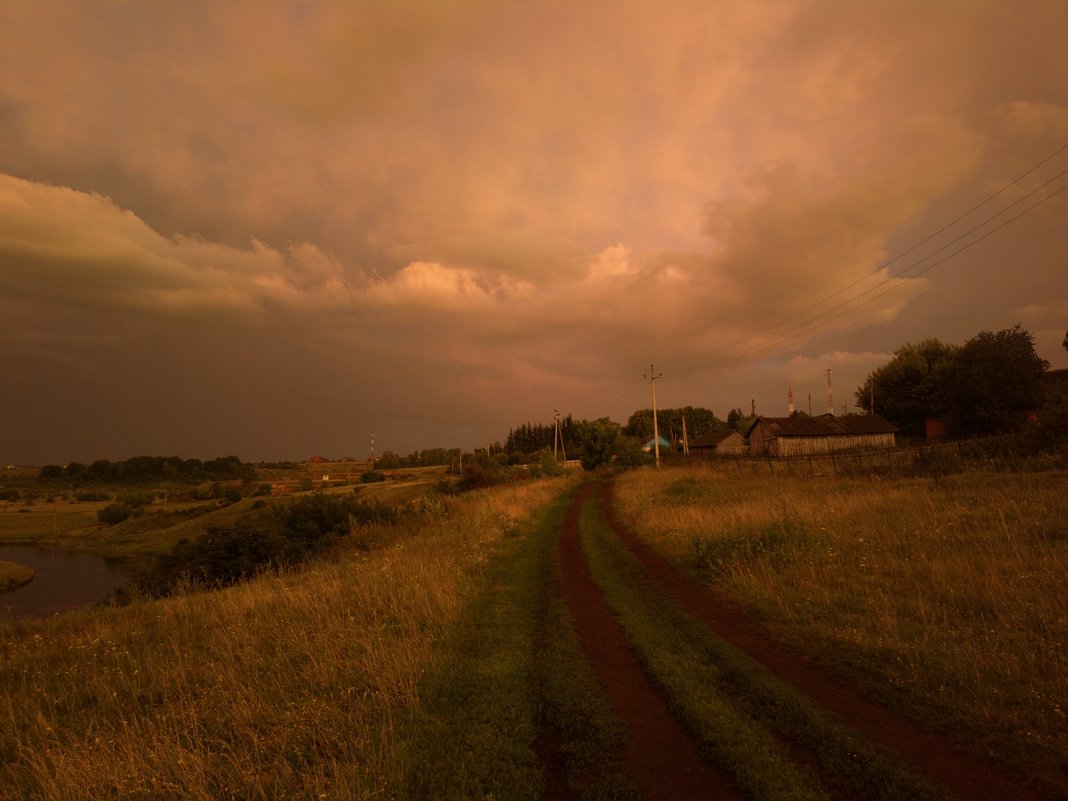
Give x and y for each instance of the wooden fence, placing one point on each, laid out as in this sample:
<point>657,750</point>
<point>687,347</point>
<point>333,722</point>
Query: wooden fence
<point>998,453</point>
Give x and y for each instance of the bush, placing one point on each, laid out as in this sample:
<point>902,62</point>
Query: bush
<point>114,513</point>
<point>371,476</point>
<point>136,499</point>
<point>476,477</point>
<point>271,538</point>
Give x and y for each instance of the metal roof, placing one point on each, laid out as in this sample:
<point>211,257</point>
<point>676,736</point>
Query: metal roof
<point>824,425</point>
<point>712,438</point>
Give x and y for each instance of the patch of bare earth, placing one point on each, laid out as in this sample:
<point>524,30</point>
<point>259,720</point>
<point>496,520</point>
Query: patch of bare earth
<point>939,759</point>
<point>660,754</point>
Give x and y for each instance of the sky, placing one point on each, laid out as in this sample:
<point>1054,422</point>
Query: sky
<point>277,229</point>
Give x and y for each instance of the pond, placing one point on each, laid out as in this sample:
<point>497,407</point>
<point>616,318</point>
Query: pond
<point>61,581</point>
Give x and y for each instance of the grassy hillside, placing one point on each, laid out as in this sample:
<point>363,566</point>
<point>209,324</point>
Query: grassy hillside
<point>288,686</point>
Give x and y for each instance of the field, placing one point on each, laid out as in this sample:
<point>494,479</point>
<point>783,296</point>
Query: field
<point>465,656</point>
<point>54,518</point>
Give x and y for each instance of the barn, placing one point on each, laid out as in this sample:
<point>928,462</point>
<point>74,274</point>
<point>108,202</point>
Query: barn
<point>802,436</point>
<point>719,443</point>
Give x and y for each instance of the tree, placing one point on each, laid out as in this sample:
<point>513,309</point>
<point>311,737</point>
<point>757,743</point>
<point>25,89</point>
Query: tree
<point>910,388</point>
<point>1065,343</point>
<point>740,421</point>
<point>699,421</point>
<point>995,378</point>
<point>599,442</point>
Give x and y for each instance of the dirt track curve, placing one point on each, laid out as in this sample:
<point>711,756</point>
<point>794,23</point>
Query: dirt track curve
<point>662,756</point>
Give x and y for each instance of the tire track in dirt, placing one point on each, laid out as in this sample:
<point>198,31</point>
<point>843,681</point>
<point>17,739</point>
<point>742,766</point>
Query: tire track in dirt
<point>939,759</point>
<point>660,754</point>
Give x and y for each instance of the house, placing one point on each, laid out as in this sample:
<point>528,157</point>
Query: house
<point>719,443</point>
<point>665,446</point>
<point>802,436</point>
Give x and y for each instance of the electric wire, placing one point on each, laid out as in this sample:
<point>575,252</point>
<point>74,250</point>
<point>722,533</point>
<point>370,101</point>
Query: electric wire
<point>704,360</point>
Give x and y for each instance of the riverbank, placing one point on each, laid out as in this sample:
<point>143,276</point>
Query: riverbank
<point>13,576</point>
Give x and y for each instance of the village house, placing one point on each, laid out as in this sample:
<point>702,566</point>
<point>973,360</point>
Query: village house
<point>719,443</point>
<point>805,436</point>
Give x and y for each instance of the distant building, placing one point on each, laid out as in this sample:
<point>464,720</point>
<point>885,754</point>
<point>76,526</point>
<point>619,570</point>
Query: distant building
<point>719,443</point>
<point>665,446</point>
<point>800,435</point>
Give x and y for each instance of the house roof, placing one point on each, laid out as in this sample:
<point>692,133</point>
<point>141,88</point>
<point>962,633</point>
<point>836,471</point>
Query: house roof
<point>713,438</point>
<point>824,425</point>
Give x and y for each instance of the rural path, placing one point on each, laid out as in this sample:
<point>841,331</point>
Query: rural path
<point>662,756</point>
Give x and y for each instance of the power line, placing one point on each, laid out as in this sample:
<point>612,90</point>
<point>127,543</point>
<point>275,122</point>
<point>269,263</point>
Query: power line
<point>701,361</point>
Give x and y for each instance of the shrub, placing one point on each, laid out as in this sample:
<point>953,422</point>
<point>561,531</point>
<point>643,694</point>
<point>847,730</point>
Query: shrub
<point>371,476</point>
<point>272,537</point>
<point>136,499</point>
<point>114,513</point>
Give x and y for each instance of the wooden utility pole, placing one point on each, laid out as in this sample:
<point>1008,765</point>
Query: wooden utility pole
<point>656,430</point>
<point>685,441</point>
<point>558,435</point>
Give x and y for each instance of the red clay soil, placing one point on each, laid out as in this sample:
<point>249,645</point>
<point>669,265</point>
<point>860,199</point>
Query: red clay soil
<point>938,758</point>
<point>659,755</point>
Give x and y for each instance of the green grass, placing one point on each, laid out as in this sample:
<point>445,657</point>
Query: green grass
<point>510,690</point>
<point>743,715</point>
<point>945,600</point>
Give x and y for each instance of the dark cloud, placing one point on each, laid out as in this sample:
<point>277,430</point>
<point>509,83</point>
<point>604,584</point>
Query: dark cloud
<point>277,228</point>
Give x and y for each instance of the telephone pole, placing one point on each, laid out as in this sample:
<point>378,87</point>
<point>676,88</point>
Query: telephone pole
<point>558,435</point>
<point>656,429</point>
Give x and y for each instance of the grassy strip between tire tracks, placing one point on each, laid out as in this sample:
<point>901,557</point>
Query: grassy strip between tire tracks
<point>740,712</point>
<point>509,695</point>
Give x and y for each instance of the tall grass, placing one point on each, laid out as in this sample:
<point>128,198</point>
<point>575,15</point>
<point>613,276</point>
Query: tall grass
<point>946,599</point>
<point>288,686</point>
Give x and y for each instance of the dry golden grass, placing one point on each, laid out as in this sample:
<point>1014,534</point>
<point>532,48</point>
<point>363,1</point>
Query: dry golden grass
<point>946,598</point>
<point>286,687</point>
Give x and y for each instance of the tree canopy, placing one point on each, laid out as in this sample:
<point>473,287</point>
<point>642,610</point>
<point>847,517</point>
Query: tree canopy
<point>993,379</point>
<point>910,388</point>
<point>982,387</point>
<point>699,421</point>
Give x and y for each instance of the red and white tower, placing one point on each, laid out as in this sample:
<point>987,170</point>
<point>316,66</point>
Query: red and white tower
<point>790,400</point>
<point>830,397</point>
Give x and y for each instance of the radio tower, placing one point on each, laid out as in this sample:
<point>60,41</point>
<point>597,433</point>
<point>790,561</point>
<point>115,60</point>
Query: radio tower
<point>790,400</point>
<point>830,397</point>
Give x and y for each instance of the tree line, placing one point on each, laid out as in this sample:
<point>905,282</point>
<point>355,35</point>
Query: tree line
<point>992,384</point>
<point>145,469</point>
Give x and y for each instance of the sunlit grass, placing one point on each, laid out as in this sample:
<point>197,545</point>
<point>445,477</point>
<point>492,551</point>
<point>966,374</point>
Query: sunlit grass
<point>946,598</point>
<point>288,686</point>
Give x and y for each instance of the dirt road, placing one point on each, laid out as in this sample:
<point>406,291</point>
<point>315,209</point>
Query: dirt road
<point>668,760</point>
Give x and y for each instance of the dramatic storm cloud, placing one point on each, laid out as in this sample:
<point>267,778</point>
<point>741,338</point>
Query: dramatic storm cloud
<point>273,229</point>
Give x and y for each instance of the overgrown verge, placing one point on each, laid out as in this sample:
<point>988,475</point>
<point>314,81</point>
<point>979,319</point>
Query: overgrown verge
<point>509,709</point>
<point>943,599</point>
<point>749,722</point>
<point>286,686</point>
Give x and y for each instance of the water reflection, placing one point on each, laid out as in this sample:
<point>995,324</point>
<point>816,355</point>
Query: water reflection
<point>61,581</point>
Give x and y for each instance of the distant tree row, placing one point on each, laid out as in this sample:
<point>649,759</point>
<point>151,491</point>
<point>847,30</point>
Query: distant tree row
<point>429,457</point>
<point>143,469</point>
<point>985,386</point>
<point>699,421</point>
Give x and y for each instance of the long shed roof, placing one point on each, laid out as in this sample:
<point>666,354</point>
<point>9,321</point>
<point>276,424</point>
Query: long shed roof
<point>713,438</point>
<point>824,425</point>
